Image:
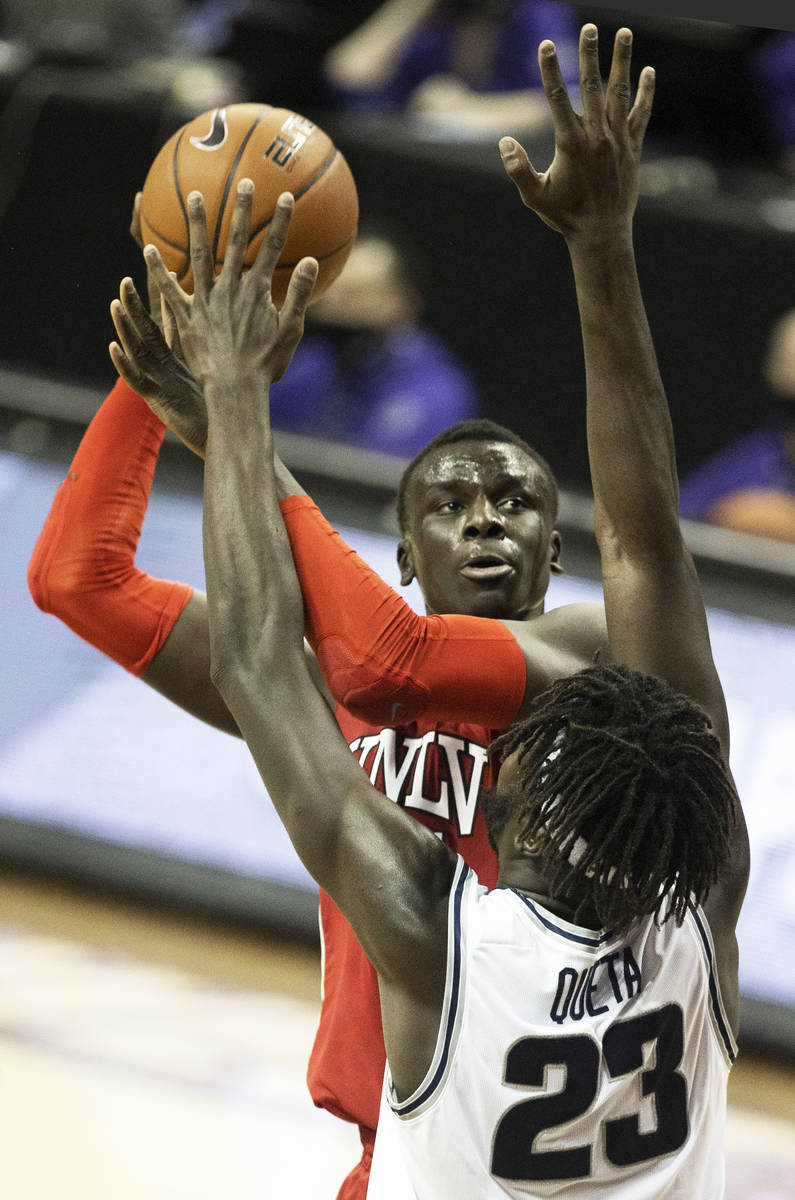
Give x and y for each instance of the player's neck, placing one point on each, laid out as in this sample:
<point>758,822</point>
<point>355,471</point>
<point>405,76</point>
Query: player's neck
<point>523,876</point>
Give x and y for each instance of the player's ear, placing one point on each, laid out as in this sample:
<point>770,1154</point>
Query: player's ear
<point>555,565</point>
<point>405,559</point>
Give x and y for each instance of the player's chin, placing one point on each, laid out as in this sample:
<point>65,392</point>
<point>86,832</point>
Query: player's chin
<point>499,601</point>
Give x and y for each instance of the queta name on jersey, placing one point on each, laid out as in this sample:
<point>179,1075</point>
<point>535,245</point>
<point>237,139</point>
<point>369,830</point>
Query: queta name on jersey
<point>589,991</point>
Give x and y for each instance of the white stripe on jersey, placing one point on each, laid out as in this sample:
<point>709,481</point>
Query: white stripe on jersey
<point>568,1062</point>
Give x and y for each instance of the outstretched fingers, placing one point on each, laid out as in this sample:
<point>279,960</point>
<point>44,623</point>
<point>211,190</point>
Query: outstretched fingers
<point>134,329</point>
<point>142,341</point>
<point>299,293</point>
<point>619,88</point>
<point>202,259</point>
<point>178,301</point>
<point>564,118</point>
<point>126,370</point>
<point>274,241</point>
<point>591,94</point>
<point>239,230</point>
<point>638,119</point>
<point>131,320</point>
<point>521,171</point>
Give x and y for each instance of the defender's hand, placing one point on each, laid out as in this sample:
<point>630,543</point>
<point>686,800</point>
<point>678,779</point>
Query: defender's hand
<point>230,326</point>
<point>591,188</point>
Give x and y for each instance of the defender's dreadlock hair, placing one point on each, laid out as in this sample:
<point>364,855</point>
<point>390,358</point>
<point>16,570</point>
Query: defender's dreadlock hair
<point>622,793</point>
<point>476,429</point>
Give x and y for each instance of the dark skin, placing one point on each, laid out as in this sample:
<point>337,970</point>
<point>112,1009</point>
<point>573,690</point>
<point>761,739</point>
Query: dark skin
<point>388,873</point>
<point>481,534</point>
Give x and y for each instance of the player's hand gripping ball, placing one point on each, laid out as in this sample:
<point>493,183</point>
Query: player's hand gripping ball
<point>281,152</point>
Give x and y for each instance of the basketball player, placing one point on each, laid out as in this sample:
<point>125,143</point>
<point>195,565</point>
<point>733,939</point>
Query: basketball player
<point>419,698</point>
<point>574,1027</point>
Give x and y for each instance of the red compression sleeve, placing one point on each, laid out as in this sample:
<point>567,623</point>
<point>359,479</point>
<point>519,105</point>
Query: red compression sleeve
<point>383,661</point>
<point>83,568</point>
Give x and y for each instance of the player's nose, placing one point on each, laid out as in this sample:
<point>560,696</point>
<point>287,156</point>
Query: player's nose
<point>483,519</point>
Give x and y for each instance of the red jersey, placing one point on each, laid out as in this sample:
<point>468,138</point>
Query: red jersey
<point>434,771</point>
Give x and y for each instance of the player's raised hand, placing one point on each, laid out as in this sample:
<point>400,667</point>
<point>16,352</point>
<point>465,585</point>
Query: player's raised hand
<point>590,190</point>
<point>155,369</point>
<point>230,326</point>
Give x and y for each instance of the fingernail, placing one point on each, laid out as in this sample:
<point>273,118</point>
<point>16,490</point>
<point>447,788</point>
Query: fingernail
<point>507,146</point>
<point>245,186</point>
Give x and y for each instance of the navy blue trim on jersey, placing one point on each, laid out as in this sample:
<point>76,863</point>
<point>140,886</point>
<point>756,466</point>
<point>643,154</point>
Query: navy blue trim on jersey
<point>714,994</point>
<point>566,933</point>
<point>411,1106</point>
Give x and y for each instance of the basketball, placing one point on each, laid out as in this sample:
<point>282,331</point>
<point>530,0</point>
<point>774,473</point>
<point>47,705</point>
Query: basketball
<point>280,151</point>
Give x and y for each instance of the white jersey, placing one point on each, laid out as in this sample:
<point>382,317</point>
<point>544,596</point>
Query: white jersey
<point>568,1063</point>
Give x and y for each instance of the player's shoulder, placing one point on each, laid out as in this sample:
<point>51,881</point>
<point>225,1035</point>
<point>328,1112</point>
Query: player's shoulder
<point>579,629</point>
<point>559,643</point>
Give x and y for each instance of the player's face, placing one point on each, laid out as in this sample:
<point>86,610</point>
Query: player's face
<point>480,538</point>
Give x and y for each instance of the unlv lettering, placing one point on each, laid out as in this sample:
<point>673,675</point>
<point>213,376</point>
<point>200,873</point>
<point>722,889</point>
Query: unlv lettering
<point>438,773</point>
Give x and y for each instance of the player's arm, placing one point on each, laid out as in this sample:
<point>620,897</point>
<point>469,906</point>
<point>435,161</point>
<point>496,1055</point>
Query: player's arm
<point>655,612</point>
<point>83,566</point>
<point>388,874</point>
<point>180,670</point>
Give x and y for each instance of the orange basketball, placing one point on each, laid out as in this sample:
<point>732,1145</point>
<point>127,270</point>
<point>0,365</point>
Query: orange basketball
<point>281,152</point>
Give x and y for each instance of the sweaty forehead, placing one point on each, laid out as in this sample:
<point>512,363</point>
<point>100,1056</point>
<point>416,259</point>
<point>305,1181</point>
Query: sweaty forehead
<point>475,463</point>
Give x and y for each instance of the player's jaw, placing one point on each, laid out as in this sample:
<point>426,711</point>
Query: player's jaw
<point>487,585</point>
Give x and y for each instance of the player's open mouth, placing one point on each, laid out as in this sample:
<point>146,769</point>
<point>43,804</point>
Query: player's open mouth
<point>486,569</point>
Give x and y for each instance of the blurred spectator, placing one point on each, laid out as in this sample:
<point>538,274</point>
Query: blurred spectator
<point>366,373</point>
<point>750,485</point>
<point>468,64</point>
<point>278,44</point>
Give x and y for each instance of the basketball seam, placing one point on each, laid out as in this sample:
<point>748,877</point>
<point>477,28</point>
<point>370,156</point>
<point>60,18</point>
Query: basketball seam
<point>228,183</point>
<point>321,171</point>
<point>318,257</point>
<point>161,237</point>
